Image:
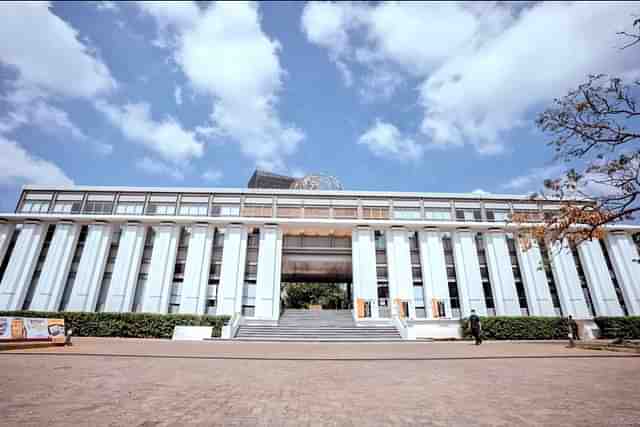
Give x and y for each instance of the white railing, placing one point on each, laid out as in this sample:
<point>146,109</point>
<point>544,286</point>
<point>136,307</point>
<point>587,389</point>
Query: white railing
<point>405,330</point>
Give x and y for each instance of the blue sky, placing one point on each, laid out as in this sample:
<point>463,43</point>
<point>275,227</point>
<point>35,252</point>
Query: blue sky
<point>388,96</point>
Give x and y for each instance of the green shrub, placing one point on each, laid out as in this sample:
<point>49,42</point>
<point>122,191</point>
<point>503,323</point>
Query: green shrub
<point>126,325</point>
<point>520,328</point>
<point>619,327</point>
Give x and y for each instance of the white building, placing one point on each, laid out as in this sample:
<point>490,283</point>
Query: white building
<point>421,259</point>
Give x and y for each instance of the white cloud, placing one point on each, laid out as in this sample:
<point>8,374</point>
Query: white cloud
<point>480,192</point>
<point>156,167</point>
<point>166,137</point>
<point>212,175</point>
<point>177,93</point>
<point>482,68</point>
<point>19,166</point>
<point>385,140</point>
<point>534,179</point>
<point>53,119</point>
<point>107,5</point>
<point>245,96</point>
<point>44,49</point>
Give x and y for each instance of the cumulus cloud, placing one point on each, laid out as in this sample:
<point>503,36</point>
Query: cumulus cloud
<point>386,141</point>
<point>218,48</point>
<point>166,137</point>
<point>18,166</point>
<point>481,68</point>
<point>44,54</point>
<point>532,180</point>
<point>156,167</point>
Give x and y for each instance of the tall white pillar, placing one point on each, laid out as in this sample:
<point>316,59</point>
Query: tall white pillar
<point>84,294</point>
<point>126,268</point>
<point>603,293</point>
<point>234,257</point>
<point>363,260</point>
<point>534,280</point>
<point>163,260</point>
<point>503,284</point>
<point>468,273</point>
<point>17,276</point>
<point>269,270</point>
<point>6,233</point>
<point>399,270</point>
<point>434,271</point>
<point>53,278</point>
<point>626,264</point>
<point>567,281</point>
<point>196,270</point>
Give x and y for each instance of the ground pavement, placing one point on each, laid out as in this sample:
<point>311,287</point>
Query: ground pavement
<point>159,382</point>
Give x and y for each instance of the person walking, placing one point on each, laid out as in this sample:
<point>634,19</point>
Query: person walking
<point>476,327</point>
<point>573,331</point>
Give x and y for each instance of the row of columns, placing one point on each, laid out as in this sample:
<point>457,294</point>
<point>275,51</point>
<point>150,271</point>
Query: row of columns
<point>84,294</point>
<point>623,254</point>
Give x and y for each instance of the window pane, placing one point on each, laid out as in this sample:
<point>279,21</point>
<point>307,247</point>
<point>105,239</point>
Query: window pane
<point>399,213</point>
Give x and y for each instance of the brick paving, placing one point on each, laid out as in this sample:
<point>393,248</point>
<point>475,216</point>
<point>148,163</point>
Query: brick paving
<point>158,383</point>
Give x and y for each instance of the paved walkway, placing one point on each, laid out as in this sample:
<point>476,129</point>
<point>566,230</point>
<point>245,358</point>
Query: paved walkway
<point>156,382</point>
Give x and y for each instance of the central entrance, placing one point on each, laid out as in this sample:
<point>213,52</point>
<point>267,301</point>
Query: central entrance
<point>316,270</point>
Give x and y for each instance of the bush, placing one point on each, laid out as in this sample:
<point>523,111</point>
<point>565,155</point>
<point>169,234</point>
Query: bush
<point>126,325</point>
<point>520,328</point>
<point>619,327</point>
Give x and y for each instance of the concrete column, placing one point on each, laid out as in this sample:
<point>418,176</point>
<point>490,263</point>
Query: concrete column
<point>269,267</point>
<point>6,233</point>
<point>399,268</point>
<point>234,258</point>
<point>196,270</point>
<point>567,281</point>
<point>626,264</point>
<point>126,268</point>
<point>503,283</point>
<point>434,270</point>
<point>163,260</point>
<point>53,278</point>
<point>534,280</point>
<point>363,259</point>
<point>17,276</point>
<point>84,294</point>
<point>603,293</point>
<point>468,273</point>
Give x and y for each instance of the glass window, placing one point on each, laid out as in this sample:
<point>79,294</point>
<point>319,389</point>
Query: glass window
<point>35,206</point>
<point>289,212</point>
<point>375,213</point>
<point>130,208</point>
<point>104,208</point>
<point>345,212</point>
<point>468,215</point>
<point>497,215</point>
<point>257,210</point>
<point>161,209</point>
<point>406,213</point>
<point>438,214</point>
<point>193,209</point>
<point>226,210</point>
<point>316,212</point>
<point>67,207</point>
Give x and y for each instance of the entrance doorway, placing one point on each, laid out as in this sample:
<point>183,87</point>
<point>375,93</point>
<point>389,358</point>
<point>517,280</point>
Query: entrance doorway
<point>316,295</point>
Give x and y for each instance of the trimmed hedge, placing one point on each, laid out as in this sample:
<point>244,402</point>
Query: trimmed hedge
<point>520,328</point>
<point>126,325</point>
<point>619,327</point>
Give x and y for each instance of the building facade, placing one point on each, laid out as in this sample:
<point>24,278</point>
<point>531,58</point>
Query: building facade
<point>425,258</point>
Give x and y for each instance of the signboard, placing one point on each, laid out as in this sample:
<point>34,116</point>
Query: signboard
<point>31,329</point>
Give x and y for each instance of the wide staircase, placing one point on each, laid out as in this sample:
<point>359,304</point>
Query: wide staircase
<point>317,325</point>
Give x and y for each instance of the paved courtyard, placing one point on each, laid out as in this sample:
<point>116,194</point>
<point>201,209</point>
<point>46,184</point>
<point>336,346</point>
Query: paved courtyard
<point>157,382</point>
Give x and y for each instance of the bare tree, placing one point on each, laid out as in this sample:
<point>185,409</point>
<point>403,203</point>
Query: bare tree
<point>595,130</point>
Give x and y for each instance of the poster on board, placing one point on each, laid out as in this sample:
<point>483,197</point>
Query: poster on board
<point>31,328</point>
